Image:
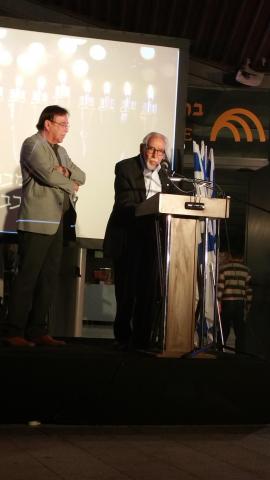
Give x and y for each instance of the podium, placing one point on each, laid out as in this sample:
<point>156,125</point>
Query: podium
<point>178,263</point>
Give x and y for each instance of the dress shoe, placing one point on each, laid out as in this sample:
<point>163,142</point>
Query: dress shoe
<point>48,341</point>
<point>18,342</point>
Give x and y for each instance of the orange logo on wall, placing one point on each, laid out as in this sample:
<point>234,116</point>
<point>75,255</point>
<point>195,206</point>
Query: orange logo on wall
<point>232,116</point>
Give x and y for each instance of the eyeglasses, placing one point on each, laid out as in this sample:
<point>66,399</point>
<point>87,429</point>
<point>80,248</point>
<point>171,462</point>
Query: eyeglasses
<point>61,124</point>
<point>154,150</point>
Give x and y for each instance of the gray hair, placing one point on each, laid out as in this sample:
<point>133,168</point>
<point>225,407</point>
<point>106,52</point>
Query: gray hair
<point>155,134</point>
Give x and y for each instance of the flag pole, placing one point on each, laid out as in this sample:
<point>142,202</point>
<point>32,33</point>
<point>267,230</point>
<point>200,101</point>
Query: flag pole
<point>204,282</point>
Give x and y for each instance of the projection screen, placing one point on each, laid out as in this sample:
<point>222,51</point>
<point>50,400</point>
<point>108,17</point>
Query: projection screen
<point>116,89</point>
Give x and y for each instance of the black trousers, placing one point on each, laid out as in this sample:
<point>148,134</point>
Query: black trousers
<point>233,315</point>
<point>35,285</point>
<point>136,286</point>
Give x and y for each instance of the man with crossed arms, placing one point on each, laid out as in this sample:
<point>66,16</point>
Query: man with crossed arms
<point>47,217</point>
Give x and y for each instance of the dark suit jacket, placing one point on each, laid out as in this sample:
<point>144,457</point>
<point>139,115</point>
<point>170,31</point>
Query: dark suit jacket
<point>130,190</point>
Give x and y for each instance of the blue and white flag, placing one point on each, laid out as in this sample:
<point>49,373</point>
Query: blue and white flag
<point>204,172</point>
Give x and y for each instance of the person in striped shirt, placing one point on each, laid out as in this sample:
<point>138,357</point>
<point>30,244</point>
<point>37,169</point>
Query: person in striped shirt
<point>234,297</point>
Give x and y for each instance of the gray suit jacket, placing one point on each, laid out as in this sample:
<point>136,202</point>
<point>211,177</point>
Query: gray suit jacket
<point>43,187</point>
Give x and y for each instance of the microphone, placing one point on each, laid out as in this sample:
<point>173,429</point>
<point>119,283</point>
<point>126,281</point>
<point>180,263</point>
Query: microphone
<point>166,167</point>
<point>171,175</point>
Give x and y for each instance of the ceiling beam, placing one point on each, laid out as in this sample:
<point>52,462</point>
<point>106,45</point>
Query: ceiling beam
<point>36,11</point>
<point>243,54</point>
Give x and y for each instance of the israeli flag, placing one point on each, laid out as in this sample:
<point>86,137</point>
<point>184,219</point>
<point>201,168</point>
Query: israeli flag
<point>204,171</point>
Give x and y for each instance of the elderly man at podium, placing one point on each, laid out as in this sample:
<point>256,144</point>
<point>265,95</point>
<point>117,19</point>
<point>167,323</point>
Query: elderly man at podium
<point>131,243</point>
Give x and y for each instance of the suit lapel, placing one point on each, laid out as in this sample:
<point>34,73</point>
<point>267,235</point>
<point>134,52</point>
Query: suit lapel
<point>139,180</point>
<point>61,157</point>
<point>163,180</point>
<point>51,151</point>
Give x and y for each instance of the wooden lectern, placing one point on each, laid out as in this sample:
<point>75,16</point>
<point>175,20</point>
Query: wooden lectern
<point>179,263</point>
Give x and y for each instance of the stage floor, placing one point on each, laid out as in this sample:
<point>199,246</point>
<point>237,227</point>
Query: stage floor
<point>134,453</point>
<point>90,382</point>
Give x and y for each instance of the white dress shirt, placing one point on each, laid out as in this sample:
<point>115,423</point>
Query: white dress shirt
<point>152,181</point>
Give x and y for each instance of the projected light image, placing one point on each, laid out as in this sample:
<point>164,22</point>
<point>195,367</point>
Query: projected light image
<point>116,93</point>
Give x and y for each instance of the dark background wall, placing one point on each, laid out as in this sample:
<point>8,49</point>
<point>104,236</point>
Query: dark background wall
<point>237,157</point>
<point>243,173</point>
